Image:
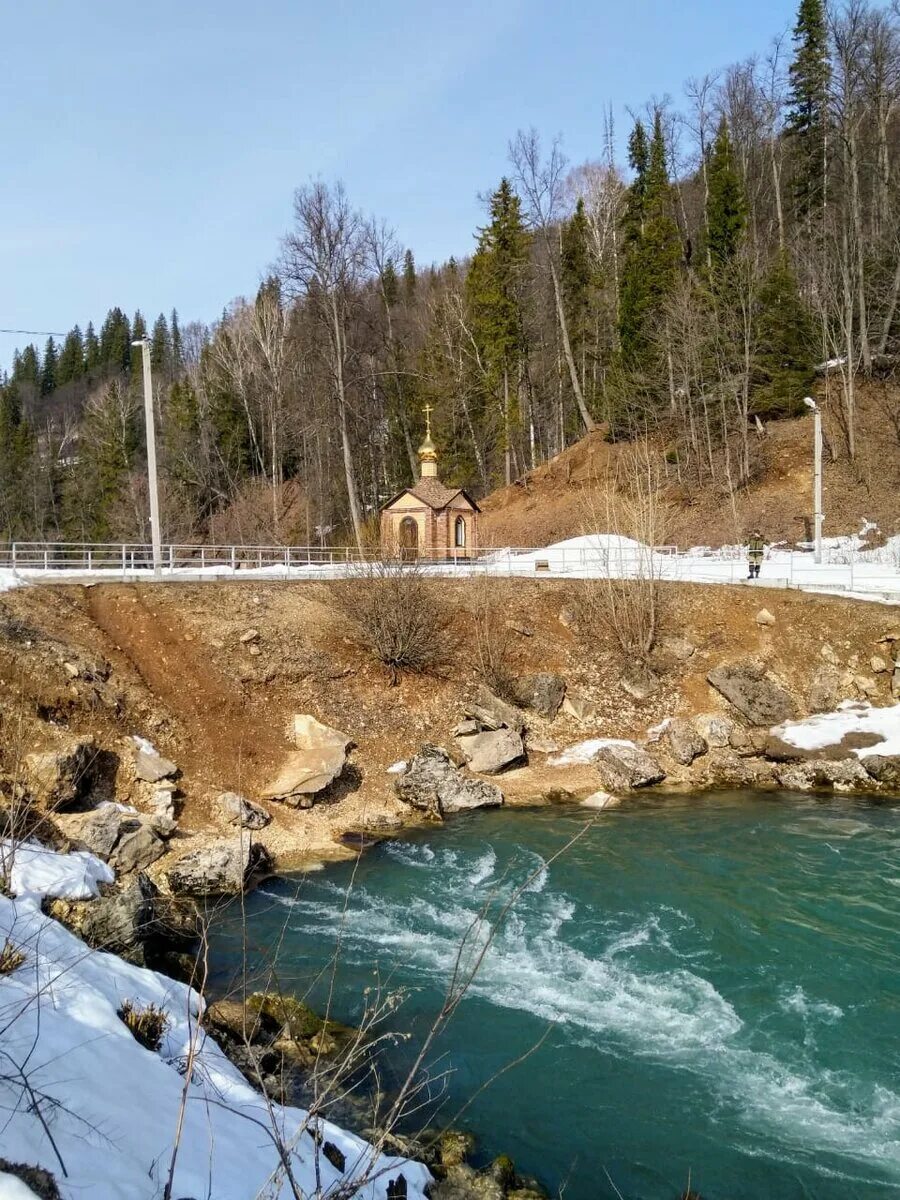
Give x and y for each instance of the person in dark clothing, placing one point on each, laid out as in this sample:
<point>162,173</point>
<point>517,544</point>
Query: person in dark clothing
<point>756,548</point>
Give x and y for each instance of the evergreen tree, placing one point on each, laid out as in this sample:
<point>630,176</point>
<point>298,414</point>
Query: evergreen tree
<point>494,296</point>
<point>115,341</point>
<point>16,449</point>
<point>638,160</point>
<point>109,444</point>
<point>726,210</point>
<point>577,281</point>
<point>27,368</point>
<point>71,358</point>
<point>177,344</point>
<point>161,347</point>
<point>807,124</point>
<point>390,285</point>
<point>785,339</point>
<point>653,248</point>
<point>48,367</point>
<point>409,277</point>
<point>91,348</point>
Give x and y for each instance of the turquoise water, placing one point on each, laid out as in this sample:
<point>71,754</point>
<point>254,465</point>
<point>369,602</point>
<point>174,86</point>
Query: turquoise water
<point>719,977</point>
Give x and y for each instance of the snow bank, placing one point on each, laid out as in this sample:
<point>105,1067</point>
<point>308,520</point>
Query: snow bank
<point>31,868</point>
<point>583,752</point>
<point>9,580</point>
<point>112,1105</point>
<point>828,729</point>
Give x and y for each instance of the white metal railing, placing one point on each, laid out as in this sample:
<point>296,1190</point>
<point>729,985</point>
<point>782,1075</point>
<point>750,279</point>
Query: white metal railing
<point>847,570</point>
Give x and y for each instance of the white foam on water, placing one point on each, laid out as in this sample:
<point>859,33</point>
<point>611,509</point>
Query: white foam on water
<point>613,1001</point>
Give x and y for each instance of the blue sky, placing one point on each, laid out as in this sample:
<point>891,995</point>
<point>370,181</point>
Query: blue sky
<point>150,152</point>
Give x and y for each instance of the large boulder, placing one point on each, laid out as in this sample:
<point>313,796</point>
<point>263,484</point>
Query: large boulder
<point>847,774</point>
<point>885,768</point>
<point>123,919</point>
<point>493,713</point>
<point>492,751</point>
<point>319,759</point>
<point>101,828</point>
<point>716,729</point>
<point>220,868</point>
<point>434,784</point>
<point>138,846</point>
<point>149,764</point>
<point>543,692</point>
<point>65,776</point>
<point>726,768</point>
<point>623,766</point>
<point>684,741</point>
<point>825,690</point>
<point>243,812</point>
<point>754,693</point>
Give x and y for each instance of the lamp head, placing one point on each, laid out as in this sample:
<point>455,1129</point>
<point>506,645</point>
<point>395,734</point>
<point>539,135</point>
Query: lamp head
<point>810,403</point>
<point>140,342</point>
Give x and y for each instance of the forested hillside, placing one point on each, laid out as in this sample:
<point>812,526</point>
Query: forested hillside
<point>686,300</point>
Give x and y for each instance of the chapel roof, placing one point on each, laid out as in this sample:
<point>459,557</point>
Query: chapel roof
<point>434,493</point>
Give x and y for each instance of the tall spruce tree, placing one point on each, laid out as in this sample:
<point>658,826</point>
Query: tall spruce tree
<point>807,123</point>
<point>115,341</point>
<point>177,344</point>
<point>409,277</point>
<point>494,296</point>
<point>27,368</point>
<point>577,281</point>
<point>16,448</point>
<point>161,347</point>
<point>726,209</point>
<point>785,340</point>
<point>652,248</point>
<point>48,367</point>
<point>91,348</point>
<point>71,358</point>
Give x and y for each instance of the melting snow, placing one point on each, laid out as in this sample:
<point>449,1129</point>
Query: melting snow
<point>828,729</point>
<point>31,868</point>
<point>583,752</point>
<point>113,1105</point>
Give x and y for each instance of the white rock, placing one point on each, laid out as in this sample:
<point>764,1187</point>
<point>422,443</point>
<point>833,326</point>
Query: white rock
<point>764,617</point>
<point>601,800</point>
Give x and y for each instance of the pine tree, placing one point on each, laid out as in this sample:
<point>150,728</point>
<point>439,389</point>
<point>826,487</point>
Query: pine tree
<point>48,367</point>
<point>161,347</point>
<point>807,123</point>
<point>652,250</point>
<point>71,358</point>
<point>390,285</point>
<point>409,277</point>
<point>726,210</point>
<point>785,339</point>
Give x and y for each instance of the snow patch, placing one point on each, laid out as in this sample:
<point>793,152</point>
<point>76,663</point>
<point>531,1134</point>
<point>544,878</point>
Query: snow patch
<point>398,768</point>
<point>32,869</point>
<point>583,752</point>
<point>852,716</point>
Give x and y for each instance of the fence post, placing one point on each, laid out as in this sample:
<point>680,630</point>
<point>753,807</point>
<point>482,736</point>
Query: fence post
<point>287,561</point>
<point>124,561</point>
<point>171,558</point>
<point>233,560</point>
<point>202,558</point>
<point>14,555</point>
<point>45,559</point>
<point>90,559</point>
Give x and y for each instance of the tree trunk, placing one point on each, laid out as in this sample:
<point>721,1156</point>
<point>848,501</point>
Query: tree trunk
<point>586,417</point>
<point>349,468</point>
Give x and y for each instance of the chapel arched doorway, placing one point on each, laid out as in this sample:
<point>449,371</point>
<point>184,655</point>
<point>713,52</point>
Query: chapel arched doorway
<point>409,539</point>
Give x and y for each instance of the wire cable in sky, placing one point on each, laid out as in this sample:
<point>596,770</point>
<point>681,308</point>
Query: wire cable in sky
<point>35,332</point>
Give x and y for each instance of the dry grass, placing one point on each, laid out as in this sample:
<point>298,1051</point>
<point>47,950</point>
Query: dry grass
<point>11,958</point>
<point>148,1025</point>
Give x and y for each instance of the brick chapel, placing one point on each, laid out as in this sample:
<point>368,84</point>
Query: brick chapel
<point>429,520</point>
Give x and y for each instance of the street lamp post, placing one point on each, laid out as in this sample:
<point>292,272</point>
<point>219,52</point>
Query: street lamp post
<point>817,475</point>
<point>150,426</point>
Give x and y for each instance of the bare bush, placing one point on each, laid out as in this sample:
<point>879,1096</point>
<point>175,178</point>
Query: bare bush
<point>397,614</point>
<point>625,597</point>
<point>491,640</point>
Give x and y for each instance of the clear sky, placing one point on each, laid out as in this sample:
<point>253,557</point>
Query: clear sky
<point>150,151</point>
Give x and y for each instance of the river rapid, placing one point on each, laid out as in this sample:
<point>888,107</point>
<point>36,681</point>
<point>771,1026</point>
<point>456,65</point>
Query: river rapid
<point>717,979</point>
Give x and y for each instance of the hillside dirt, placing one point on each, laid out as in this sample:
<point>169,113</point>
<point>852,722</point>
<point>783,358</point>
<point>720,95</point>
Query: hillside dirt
<point>566,497</point>
<point>180,675</point>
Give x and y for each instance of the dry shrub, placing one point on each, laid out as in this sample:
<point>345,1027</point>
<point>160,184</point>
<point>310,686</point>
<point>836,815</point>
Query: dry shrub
<point>492,639</point>
<point>628,502</point>
<point>398,614</point>
<point>148,1025</point>
<point>11,958</point>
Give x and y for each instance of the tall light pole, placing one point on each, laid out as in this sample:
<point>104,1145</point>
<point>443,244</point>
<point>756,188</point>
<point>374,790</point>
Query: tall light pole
<point>150,426</point>
<point>817,474</point>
